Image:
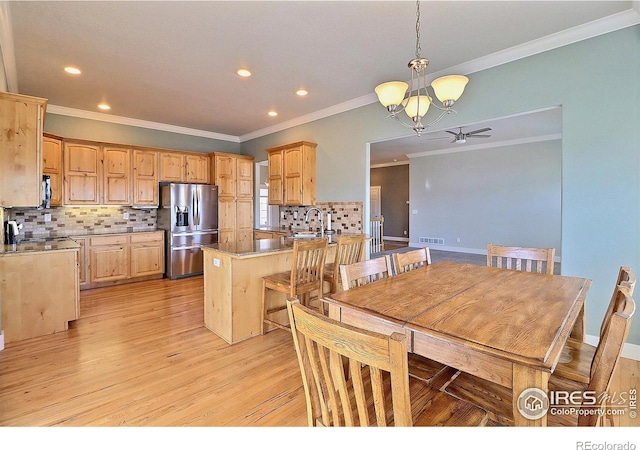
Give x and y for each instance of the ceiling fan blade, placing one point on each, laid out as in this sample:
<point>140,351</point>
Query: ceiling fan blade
<point>451,132</point>
<point>479,135</point>
<point>454,141</point>
<point>481,130</point>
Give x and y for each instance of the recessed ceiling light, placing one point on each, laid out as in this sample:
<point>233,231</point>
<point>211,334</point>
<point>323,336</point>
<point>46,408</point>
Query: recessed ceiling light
<point>72,70</point>
<point>244,73</point>
<point>104,106</point>
<point>302,92</point>
<point>272,113</point>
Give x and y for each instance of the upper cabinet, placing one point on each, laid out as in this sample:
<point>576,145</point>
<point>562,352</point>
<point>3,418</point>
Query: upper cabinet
<point>21,122</point>
<point>82,173</point>
<point>52,166</point>
<point>145,177</point>
<point>178,167</point>
<point>292,174</point>
<point>116,175</point>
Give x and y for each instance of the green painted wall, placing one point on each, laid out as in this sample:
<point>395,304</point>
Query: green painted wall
<point>94,130</point>
<point>597,84</point>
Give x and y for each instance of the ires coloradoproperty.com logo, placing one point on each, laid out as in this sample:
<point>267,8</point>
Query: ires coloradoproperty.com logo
<point>534,403</point>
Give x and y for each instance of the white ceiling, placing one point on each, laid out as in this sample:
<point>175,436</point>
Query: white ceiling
<point>174,63</point>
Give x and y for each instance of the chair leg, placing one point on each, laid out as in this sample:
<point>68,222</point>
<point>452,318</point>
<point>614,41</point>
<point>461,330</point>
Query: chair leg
<point>263,311</point>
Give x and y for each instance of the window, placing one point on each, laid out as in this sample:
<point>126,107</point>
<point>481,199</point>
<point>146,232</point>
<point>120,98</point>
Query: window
<point>264,206</point>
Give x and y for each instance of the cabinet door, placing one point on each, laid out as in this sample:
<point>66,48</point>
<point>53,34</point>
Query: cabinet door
<point>226,176</point>
<point>109,263</point>
<point>145,178</point>
<point>147,259</point>
<point>293,176</point>
<point>197,169</point>
<point>276,181</point>
<point>244,178</point>
<point>82,174</point>
<point>227,219</point>
<point>171,167</point>
<point>244,220</point>
<point>21,150</point>
<point>82,261</point>
<point>52,166</point>
<point>116,175</point>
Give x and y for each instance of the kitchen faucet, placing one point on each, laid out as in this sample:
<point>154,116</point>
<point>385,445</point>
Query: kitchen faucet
<point>320,216</point>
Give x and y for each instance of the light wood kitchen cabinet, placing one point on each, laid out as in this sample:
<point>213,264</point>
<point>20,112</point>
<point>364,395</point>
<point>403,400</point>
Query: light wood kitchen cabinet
<point>225,175</point>
<point>110,259</point>
<point>21,122</point>
<point>292,174</point>
<point>197,168</point>
<point>116,175</point>
<point>262,234</point>
<point>234,178</point>
<point>52,166</point>
<point>179,167</point>
<point>147,254</point>
<point>39,292</point>
<point>82,173</point>
<point>145,177</point>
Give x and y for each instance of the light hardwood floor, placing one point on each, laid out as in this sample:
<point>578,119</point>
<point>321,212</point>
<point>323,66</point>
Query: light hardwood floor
<point>140,356</point>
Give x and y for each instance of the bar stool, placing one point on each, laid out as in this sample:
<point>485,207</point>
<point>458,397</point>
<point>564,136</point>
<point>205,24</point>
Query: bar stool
<point>304,277</point>
<point>349,249</point>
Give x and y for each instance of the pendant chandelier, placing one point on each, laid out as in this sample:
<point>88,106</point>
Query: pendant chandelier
<point>414,99</point>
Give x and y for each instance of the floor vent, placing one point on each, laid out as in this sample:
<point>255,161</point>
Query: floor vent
<point>432,241</point>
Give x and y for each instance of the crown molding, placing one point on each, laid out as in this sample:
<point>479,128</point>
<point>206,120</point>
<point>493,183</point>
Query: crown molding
<point>391,164</point>
<point>91,115</point>
<point>469,148</point>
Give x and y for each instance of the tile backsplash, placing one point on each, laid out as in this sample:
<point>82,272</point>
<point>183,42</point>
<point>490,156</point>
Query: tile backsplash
<point>345,216</point>
<point>71,221</point>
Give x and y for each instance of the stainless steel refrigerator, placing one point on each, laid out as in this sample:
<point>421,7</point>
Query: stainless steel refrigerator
<point>189,215</point>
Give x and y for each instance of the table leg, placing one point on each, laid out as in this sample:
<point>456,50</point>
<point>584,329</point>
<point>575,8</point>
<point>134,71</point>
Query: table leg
<point>524,378</point>
<point>578,330</point>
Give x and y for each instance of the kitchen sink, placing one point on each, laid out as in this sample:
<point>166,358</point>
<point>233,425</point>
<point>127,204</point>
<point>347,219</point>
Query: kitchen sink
<point>307,235</point>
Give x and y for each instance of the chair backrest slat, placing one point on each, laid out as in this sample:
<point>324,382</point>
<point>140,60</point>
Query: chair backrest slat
<point>365,272</point>
<point>307,265</point>
<point>413,259</point>
<point>529,259</point>
<point>375,388</point>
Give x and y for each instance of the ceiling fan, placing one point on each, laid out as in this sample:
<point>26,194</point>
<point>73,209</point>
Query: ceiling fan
<point>461,138</point>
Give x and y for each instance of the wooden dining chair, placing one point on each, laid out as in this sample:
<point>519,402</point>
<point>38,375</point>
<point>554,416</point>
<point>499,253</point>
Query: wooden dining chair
<point>370,271</point>
<point>528,259</point>
<point>413,259</point>
<point>498,400</point>
<point>305,276</point>
<point>577,356</point>
<point>365,272</point>
<point>349,249</point>
<point>376,390</point>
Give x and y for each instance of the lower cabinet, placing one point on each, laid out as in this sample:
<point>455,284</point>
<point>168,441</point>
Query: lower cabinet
<point>39,292</point>
<point>120,258</point>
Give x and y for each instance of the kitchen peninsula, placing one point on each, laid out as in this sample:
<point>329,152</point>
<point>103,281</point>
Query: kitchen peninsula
<point>38,287</point>
<point>233,283</point>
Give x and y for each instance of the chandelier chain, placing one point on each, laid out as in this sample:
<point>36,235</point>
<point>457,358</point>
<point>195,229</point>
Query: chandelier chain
<point>418,29</point>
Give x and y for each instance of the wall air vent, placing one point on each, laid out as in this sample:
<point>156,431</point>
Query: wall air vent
<point>432,241</point>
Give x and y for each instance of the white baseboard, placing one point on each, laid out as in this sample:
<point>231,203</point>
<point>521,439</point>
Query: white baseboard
<point>446,248</point>
<point>629,351</point>
<point>393,238</point>
<point>1,340</point>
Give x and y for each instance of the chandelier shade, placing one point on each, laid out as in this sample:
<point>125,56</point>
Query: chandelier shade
<point>414,98</point>
<point>450,87</point>
<point>391,93</point>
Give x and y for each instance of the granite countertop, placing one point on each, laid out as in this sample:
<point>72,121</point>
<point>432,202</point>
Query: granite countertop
<point>40,245</point>
<point>264,246</point>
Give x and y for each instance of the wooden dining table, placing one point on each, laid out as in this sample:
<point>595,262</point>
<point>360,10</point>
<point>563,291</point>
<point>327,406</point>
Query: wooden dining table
<point>505,326</point>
